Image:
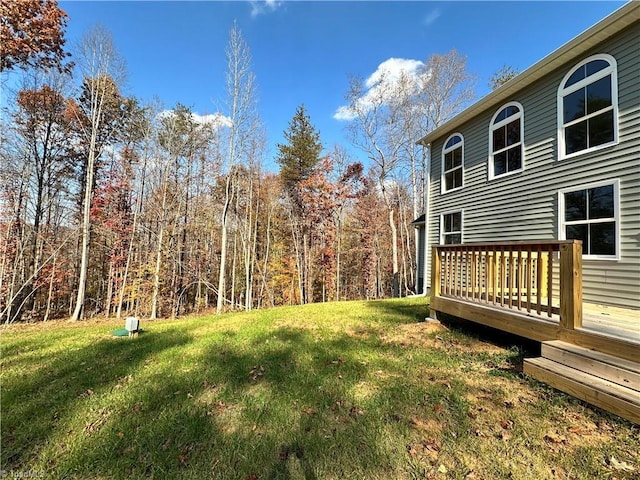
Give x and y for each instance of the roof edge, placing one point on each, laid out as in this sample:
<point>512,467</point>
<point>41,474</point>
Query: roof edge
<point>612,23</point>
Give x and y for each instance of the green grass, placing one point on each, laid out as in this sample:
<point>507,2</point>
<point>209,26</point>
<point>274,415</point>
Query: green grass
<point>350,390</point>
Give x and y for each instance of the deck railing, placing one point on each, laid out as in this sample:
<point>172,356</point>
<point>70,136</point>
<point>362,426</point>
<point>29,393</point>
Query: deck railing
<point>541,278</point>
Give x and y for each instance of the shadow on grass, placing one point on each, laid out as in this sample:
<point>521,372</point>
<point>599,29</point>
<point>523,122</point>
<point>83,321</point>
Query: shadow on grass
<point>277,403</point>
<point>35,404</point>
<point>280,405</point>
<point>483,333</point>
<point>405,310</point>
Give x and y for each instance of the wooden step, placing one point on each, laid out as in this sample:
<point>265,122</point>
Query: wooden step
<point>617,370</point>
<point>597,391</point>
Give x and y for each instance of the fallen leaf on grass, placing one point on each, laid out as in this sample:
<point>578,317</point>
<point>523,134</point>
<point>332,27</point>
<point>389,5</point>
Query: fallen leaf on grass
<point>309,411</point>
<point>355,412</point>
<point>256,372</point>
<point>621,466</point>
<point>579,430</point>
<point>442,469</point>
<point>507,425</point>
<point>555,438</point>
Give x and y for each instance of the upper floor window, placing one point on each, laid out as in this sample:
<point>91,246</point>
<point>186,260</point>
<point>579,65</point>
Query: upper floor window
<point>506,147</point>
<point>452,163</point>
<point>591,213</point>
<point>588,106</point>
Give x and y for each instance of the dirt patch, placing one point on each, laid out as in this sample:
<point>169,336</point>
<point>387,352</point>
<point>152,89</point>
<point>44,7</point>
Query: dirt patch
<point>423,334</point>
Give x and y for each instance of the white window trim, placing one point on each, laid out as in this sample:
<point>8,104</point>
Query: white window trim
<point>562,234</point>
<point>562,92</point>
<point>443,189</point>
<point>494,126</point>
<point>442,232</point>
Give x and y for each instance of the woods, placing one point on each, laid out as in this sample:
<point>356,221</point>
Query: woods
<point>113,205</point>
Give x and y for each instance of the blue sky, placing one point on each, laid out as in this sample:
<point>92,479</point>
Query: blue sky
<point>304,52</point>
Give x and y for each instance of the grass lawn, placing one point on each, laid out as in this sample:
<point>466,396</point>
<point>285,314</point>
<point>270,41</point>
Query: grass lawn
<point>348,390</point>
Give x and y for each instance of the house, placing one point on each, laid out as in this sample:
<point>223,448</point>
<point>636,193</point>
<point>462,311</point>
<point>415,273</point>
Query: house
<point>550,157</point>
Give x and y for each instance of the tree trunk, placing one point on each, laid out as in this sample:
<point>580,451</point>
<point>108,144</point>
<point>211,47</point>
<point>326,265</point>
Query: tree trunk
<point>78,312</point>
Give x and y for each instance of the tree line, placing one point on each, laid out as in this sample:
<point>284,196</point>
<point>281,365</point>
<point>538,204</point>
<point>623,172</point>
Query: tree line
<point>113,206</point>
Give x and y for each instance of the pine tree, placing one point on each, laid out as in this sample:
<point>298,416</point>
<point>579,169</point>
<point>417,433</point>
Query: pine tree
<point>299,156</point>
<point>298,159</point>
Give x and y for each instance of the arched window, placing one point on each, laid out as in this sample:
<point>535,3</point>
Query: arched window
<point>588,106</point>
<point>506,146</point>
<point>452,163</point>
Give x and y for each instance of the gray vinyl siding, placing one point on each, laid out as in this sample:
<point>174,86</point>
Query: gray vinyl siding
<point>524,206</point>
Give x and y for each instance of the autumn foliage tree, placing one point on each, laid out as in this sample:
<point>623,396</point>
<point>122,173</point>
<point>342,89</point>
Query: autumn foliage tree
<point>32,34</point>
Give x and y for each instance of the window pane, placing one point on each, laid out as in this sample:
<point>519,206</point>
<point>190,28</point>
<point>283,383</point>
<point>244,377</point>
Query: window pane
<point>601,129</point>
<point>448,161</point>
<point>453,238</point>
<point>449,181</point>
<point>513,132</point>
<point>596,66</point>
<point>514,159</point>
<point>579,232</point>
<point>603,238</point>
<point>499,140</point>
<point>601,202</point>
<point>457,157</point>
<point>599,94</point>
<point>512,110</point>
<point>457,178</point>
<point>574,105</point>
<point>448,221</point>
<point>575,206</point>
<point>575,137</point>
<point>452,141</point>
<point>500,163</point>
<point>576,76</point>
<point>456,221</point>
<point>501,116</point>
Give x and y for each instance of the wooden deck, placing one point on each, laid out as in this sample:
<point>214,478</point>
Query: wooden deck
<point>534,289</point>
<point>612,321</point>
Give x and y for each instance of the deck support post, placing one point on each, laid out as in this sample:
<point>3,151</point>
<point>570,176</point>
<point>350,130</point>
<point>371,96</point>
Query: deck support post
<point>571,285</point>
<point>435,278</point>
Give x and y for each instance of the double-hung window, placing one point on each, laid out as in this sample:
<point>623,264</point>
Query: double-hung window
<point>588,106</point>
<point>451,228</point>
<point>591,213</point>
<point>506,146</point>
<point>452,163</point>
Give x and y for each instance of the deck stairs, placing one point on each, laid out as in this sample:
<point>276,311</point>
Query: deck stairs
<point>603,380</point>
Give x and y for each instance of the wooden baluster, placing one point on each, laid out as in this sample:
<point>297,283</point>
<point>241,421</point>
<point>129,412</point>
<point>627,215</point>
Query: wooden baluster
<point>473,273</point>
<point>519,279</point>
<point>450,291</point>
<point>550,281</point>
<point>502,275</point>
<point>510,276</point>
<point>539,264</point>
<point>529,277</point>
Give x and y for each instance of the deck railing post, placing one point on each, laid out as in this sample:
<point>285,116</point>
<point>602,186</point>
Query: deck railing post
<point>571,285</point>
<point>435,272</point>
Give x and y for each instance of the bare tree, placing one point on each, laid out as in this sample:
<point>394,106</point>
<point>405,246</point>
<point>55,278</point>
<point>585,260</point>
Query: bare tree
<point>389,112</point>
<point>502,76</point>
<point>102,70</point>
<point>241,112</point>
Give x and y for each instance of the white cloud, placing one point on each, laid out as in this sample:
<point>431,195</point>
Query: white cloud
<point>216,120</point>
<point>432,16</point>
<point>381,84</point>
<point>259,7</point>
